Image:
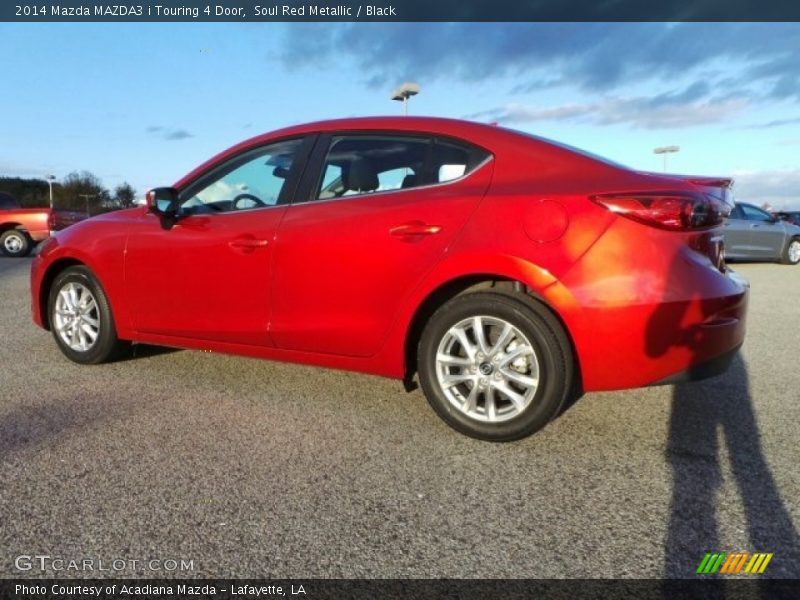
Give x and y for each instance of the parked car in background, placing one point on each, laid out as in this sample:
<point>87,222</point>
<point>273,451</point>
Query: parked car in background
<point>754,234</point>
<point>22,228</point>
<point>511,273</point>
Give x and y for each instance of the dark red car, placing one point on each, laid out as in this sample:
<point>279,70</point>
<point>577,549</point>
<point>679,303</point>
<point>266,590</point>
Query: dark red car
<point>510,272</point>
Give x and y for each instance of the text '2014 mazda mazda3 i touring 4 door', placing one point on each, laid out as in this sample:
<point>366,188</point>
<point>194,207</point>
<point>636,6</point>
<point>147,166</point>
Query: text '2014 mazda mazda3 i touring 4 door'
<point>509,273</point>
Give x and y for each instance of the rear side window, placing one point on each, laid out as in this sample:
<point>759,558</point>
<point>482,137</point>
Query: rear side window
<point>363,164</point>
<point>451,160</point>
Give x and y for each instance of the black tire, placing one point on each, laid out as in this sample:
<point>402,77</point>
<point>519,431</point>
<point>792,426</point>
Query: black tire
<point>106,345</point>
<point>15,243</point>
<point>552,352</point>
<point>791,254</point>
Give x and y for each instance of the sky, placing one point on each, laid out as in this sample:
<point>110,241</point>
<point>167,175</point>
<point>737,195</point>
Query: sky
<point>145,103</point>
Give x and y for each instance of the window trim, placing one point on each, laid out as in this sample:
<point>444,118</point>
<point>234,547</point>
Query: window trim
<point>289,190</point>
<point>312,178</point>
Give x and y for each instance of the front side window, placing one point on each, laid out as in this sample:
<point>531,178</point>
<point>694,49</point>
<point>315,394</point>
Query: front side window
<point>254,180</point>
<point>365,164</point>
<point>751,213</point>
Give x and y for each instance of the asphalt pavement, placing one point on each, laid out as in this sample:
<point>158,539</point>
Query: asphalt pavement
<point>248,468</point>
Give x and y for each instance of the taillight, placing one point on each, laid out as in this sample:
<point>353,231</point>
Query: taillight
<point>679,211</point>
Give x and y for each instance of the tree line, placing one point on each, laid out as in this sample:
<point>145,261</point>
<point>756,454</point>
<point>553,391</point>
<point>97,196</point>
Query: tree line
<point>79,191</point>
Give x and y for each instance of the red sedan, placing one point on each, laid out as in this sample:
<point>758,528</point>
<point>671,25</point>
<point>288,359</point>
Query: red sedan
<point>510,273</point>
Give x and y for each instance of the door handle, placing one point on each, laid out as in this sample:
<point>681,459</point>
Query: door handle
<point>248,244</point>
<point>414,228</point>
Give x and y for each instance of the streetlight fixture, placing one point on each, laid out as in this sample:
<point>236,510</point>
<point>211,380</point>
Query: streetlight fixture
<point>666,150</point>
<point>50,179</point>
<point>404,92</point>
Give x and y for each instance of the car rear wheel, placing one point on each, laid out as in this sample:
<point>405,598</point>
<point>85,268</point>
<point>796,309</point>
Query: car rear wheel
<point>791,256</point>
<point>81,319</point>
<point>15,243</point>
<point>495,367</point>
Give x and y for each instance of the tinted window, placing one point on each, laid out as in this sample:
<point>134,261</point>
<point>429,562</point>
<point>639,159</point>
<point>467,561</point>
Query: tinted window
<point>751,213</point>
<point>7,201</point>
<point>253,180</point>
<point>361,164</point>
<point>364,164</point>
<point>451,160</point>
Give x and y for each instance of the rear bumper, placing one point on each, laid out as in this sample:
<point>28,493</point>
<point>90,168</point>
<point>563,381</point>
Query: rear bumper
<point>711,368</point>
<point>645,317</point>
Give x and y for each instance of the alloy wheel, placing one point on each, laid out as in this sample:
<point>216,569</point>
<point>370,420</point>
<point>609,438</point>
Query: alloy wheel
<point>487,369</point>
<point>76,317</point>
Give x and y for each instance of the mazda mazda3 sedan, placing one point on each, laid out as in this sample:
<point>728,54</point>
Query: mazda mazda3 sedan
<point>509,273</point>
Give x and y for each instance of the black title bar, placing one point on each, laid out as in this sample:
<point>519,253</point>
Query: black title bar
<point>389,589</point>
<point>401,10</point>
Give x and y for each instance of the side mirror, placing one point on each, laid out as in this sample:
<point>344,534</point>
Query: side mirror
<point>163,202</point>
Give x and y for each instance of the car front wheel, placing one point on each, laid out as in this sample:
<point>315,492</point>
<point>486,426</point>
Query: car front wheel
<point>81,319</point>
<point>495,367</point>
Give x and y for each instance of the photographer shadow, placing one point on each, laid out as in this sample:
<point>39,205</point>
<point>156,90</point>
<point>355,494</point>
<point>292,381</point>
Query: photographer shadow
<point>703,413</point>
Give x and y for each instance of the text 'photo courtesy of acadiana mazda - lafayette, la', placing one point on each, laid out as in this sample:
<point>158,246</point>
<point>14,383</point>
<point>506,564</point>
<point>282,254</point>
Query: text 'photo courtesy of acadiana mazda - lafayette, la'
<point>508,272</point>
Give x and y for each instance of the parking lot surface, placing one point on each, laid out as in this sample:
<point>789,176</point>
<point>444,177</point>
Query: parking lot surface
<point>250,468</point>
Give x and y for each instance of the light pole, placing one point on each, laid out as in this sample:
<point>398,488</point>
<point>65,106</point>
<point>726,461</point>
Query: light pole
<point>404,92</point>
<point>50,179</point>
<point>666,150</point>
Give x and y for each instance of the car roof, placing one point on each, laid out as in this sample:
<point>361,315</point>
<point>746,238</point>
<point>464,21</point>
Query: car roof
<point>482,134</point>
<point>491,137</point>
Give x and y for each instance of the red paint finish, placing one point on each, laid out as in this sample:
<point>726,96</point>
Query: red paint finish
<point>369,253</point>
<point>338,282</point>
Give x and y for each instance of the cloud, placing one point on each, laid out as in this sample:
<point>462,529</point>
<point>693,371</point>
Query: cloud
<point>775,123</point>
<point>169,134</point>
<point>678,108</point>
<point>177,134</point>
<point>781,188</point>
<point>589,56</point>
<point>9,169</point>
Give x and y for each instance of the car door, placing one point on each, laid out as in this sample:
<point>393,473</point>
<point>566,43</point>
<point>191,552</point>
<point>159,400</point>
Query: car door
<point>737,234</point>
<point>767,234</point>
<point>381,210</point>
<point>207,278</point>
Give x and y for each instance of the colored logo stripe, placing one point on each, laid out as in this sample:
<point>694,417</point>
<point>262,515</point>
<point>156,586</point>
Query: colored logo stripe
<point>732,564</point>
<point>758,563</point>
<point>711,563</point>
